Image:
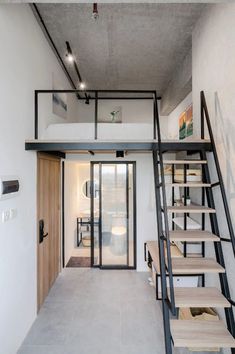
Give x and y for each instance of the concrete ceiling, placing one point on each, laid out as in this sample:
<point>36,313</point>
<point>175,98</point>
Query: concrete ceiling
<point>130,46</point>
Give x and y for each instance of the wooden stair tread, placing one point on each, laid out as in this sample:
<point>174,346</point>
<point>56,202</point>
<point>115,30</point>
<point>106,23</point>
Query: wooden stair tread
<point>199,297</point>
<point>196,266</point>
<point>190,209</point>
<point>188,184</point>
<point>181,265</point>
<point>198,334</point>
<point>183,162</point>
<point>193,236</point>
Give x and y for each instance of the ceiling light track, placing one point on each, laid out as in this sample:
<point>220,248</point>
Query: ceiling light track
<point>72,59</point>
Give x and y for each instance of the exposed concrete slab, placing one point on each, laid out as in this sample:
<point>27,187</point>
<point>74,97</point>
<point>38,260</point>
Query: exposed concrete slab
<point>131,46</point>
<point>119,1</point>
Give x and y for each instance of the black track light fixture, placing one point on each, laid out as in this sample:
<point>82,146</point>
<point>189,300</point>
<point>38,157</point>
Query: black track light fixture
<point>95,14</point>
<point>87,100</point>
<point>69,54</point>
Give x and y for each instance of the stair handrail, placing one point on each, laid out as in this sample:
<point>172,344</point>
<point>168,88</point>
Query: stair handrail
<point>166,237</point>
<point>205,116</point>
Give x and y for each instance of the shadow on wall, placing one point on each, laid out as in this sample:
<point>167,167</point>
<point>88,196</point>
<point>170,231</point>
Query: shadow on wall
<point>225,144</point>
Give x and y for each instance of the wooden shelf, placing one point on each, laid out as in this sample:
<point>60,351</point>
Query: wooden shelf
<point>196,266</point>
<point>184,162</point>
<point>193,236</point>
<point>189,184</point>
<point>198,334</point>
<point>199,297</point>
<point>153,249</point>
<point>196,209</point>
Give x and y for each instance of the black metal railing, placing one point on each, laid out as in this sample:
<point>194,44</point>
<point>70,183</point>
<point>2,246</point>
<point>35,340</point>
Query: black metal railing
<point>98,95</point>
<point>220,183</point>
<point>213,218</point>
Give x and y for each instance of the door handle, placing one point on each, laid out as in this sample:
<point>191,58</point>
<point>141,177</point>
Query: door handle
<point>41,231</point>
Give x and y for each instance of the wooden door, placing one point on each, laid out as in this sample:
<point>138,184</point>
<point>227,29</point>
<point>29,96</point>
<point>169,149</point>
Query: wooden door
<point>49,191</point>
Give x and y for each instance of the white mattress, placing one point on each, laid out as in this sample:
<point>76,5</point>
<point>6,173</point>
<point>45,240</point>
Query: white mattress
<point>106,131</point>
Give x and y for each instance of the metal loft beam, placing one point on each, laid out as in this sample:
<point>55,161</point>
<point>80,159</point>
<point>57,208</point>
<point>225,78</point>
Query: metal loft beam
<point>37,145</point>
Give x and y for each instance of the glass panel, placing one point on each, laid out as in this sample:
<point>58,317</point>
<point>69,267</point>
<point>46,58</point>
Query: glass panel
<point>130,215</point>
<point>96,213</point>
<point>114,214</point>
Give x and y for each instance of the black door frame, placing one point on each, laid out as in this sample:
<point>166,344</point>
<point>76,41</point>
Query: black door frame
<point>100,163</point>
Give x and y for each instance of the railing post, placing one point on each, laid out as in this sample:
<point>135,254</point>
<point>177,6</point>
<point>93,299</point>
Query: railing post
<point>202,116</point>
<point>168,249</point>
<point>154,115</point>
<point>96,114</point>
<point>35,115</point>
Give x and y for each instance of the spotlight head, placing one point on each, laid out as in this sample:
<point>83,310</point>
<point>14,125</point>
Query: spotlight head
<point>70,57</point>
<point>82,85</point>
<point>119,153</point>
<point>95,14</point>
<point>87,100</point>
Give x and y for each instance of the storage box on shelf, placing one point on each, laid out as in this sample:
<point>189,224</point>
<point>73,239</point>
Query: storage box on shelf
<point>192,175</point>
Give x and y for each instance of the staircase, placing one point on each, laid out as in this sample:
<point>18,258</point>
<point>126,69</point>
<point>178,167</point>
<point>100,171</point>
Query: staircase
<point>193,333</point>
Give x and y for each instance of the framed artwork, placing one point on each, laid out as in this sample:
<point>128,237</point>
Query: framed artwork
<point>59,104</point>
<point>182,126</point>
<point>189,121</point>
<point>59,99</point>
<point>186,123</point>
<point>111,115</point>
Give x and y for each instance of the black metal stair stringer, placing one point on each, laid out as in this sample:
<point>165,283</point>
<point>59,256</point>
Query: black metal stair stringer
<point>165,308</point>
<point>168,299</point>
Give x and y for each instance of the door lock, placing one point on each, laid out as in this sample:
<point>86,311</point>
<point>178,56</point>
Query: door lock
<point>41,231</point>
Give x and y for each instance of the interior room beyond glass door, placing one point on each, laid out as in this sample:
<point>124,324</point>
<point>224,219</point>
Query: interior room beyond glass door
<point>115,245</point>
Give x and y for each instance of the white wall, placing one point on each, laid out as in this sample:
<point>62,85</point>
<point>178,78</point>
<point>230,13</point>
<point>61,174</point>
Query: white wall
<point>26,63</point>
<point>146,212</point>
<point>213,71</point>
<point>173,118</point>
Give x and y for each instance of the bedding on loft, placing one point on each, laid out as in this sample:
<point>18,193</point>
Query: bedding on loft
<point>106,131</point>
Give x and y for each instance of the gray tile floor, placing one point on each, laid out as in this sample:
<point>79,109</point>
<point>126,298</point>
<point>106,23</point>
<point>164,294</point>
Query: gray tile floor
<point>91,311</point>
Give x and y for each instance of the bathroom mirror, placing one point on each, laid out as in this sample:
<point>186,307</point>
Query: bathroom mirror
<point>86,189</point>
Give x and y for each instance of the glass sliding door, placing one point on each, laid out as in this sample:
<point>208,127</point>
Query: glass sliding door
<point>95,215</point>
<point>115,245</point>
